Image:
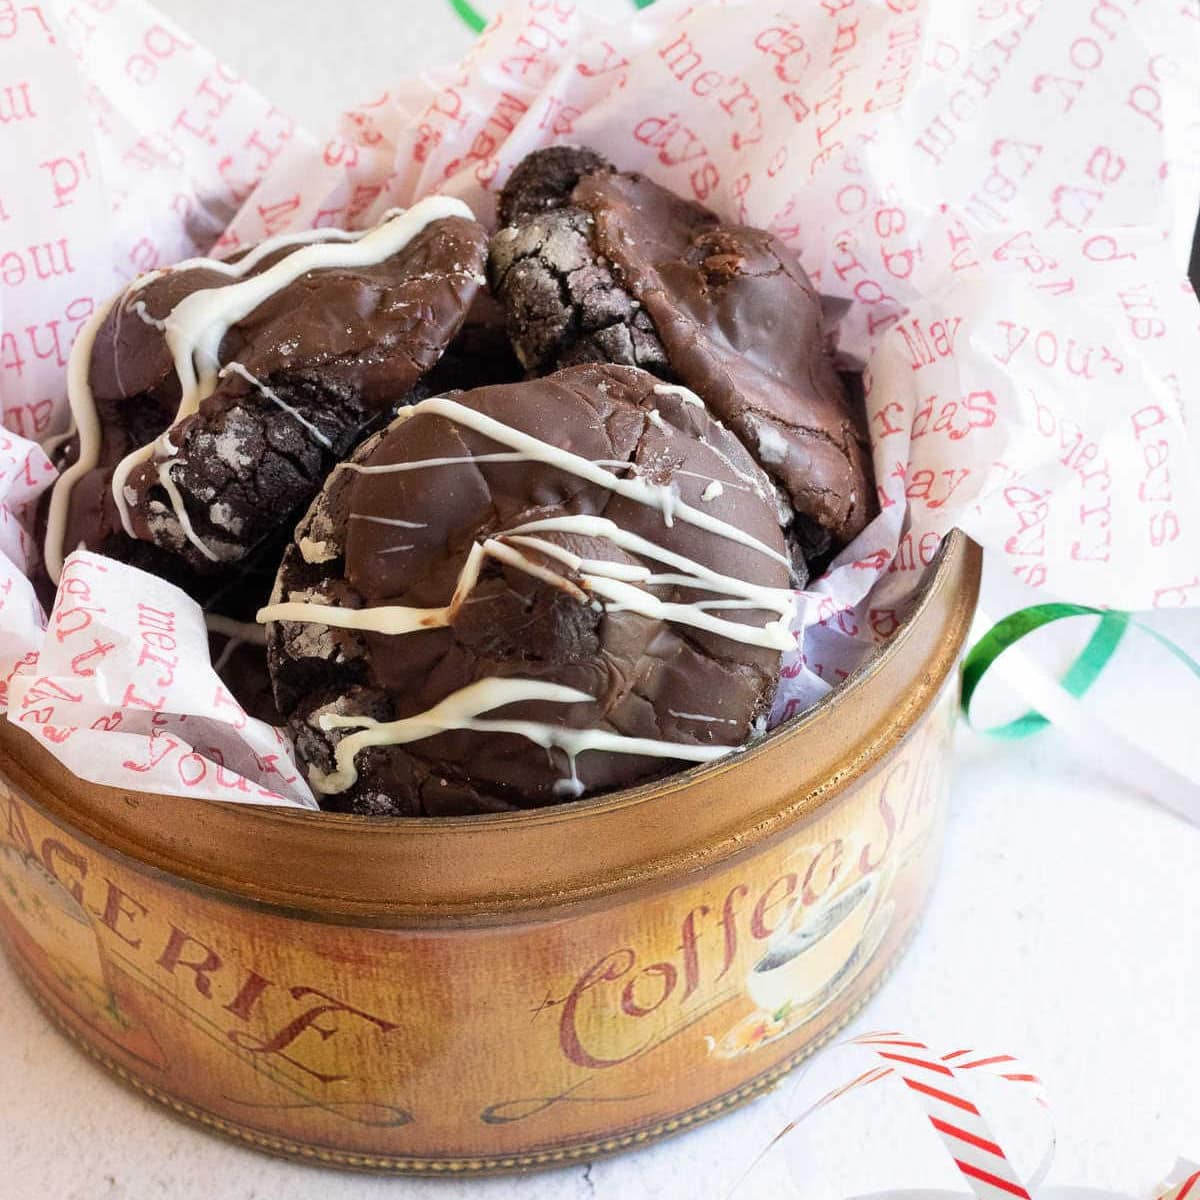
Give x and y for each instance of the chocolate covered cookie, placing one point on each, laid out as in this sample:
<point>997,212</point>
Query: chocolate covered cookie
<point>525,593</point>
<point>598,265</point>
<point>210,399</point>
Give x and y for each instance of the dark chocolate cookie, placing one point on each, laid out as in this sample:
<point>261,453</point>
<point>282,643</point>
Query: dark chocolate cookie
<point>598,265</point>
<point>211,399</point>
<point>479,355</point>
<point>520,594</point>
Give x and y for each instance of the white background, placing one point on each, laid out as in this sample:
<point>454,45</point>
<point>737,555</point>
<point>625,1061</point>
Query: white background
<point>1065,928</point>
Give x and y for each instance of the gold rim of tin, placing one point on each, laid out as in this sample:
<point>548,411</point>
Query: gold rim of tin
<point>446,871</point>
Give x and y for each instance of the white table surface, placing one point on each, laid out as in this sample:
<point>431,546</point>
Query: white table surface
<point>1065,927</point>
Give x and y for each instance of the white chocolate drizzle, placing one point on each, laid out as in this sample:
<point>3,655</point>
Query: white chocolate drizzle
<point>180,510</point>
<point>612,586</point>
<point>613,583</point>
<point>197,325</point>
<point>383,618</point>
<point>268,246</point>
<point>395,522</point>
<point>682,716</point>
<point>458,460</point>
<point>462,710</point>
<point>87,421</point>
<point>665,498</point>
<point>620,592</point>
<point>237,368</point>
<point>194,330</point>
<point>711,492</point>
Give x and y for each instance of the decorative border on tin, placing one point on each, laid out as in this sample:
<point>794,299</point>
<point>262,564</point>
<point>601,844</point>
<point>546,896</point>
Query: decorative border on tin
<point>432,1167</point>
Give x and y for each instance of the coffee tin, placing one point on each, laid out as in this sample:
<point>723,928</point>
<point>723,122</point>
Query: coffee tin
<point>488,994</point>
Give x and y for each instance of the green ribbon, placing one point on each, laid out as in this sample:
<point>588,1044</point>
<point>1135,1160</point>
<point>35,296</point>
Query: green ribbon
<point>477,22</point>
<point>470,16</point>
<point>1081,674</point>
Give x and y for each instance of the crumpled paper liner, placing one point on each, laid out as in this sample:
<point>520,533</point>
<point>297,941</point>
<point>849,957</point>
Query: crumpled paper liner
<point>1003,192</point>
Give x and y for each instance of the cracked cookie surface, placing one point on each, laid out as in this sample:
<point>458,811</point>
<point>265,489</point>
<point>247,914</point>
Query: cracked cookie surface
<point>599,265</point>
<point>220,396</point>
<point>577,563</point>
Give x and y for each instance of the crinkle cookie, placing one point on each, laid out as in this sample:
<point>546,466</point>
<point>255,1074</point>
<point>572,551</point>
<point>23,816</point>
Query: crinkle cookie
<point>525,593</point>
<point>593,265</point>
<point>210,399</point>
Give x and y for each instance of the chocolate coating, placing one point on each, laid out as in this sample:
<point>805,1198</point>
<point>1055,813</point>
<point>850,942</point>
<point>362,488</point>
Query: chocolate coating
<point>339,346</point>
<point>401,538</point>
<point>622,270</point>
<point>480,354</point>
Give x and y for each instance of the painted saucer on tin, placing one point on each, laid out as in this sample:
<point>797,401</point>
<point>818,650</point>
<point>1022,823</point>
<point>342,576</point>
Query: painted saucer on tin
<point>761,1028</point>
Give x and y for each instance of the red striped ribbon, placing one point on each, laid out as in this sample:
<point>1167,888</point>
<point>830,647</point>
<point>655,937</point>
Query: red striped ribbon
<point>1189,1187</point>
<point>935,1081</point>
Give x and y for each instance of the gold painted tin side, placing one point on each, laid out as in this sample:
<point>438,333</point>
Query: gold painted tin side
<point>490,1047</point>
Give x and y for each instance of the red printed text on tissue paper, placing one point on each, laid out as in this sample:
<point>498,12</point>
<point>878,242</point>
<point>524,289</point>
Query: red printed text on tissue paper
<point>152,152</point>
<point>1044,345</point>
<point>963,254</point>
<point>934,489</point>
<point>828,110</point>
<point>1145,96</point>
<point>913,553</point>
<point>559,118</point>
<point>925,349</point>
<point>1177,595</point>
<point>897,249</point>
<point>264,145</point>
<point>600,58</point>
<point>1075,204</point>
<point>26,19</point>
<point>48,341</point>
<point>882,308</point>
<point>277,215</point>
<point>1012,160</point>
<point>45,692</point>
<point>156,659</point>
<point>977,81</point>
<point>158,45</point>
<point>785,44</point>
<point>678,145</point>
<point>534,57</point>
<point>1155,490</point>
<point>955,419</point>
<point>730,95</point>
<point>76,607</point>
<point>446,109</point>
<point>237,715</point>
<point>29,420</point>
<point>212,97</point>
<point>498,124</point>
<point>16,104</point>
<point>1032,510</point>
<point>64,174</point>
<point>42,261</point>
<point>1141,311</point>
<point>1086,53</point>
<point>903,52</point>
<point>1079,453</point>
<point>1092,470</point>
